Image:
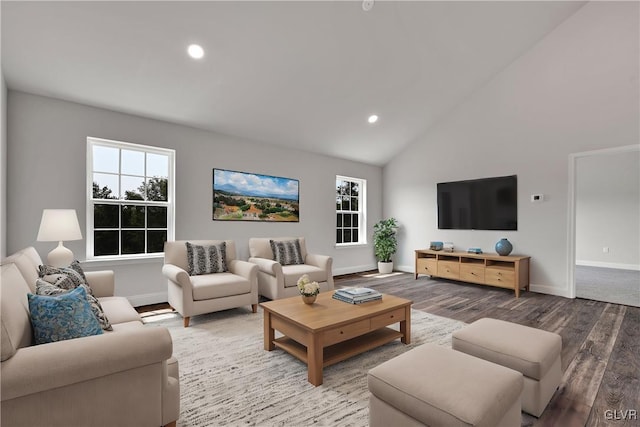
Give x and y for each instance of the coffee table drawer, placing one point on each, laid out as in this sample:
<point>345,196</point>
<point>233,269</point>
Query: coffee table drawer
<point>346,332</point>
<point>389,318</point>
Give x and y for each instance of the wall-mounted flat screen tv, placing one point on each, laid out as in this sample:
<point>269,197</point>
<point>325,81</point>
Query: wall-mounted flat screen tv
<point>479,204</point>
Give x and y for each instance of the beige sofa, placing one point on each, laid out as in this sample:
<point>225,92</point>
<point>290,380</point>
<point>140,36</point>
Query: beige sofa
<point>126,377</point>
<point>277,281</point>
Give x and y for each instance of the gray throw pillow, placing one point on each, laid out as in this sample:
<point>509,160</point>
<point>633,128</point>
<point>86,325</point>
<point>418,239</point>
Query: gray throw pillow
<point>65,277</point>
<point>287,252</point>
<point>207,259</point>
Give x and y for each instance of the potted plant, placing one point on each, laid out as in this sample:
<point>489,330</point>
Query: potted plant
<point>385,243</point>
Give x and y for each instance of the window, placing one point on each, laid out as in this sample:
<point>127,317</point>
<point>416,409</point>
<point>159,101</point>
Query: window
<point>129,199</point>
<point>350,211</point>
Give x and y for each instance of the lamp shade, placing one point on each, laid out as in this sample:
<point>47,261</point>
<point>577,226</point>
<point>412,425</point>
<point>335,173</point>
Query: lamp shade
<point>59,225</point>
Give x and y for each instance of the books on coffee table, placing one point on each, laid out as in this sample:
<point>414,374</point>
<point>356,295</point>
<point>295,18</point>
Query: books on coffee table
<point>357,295</point>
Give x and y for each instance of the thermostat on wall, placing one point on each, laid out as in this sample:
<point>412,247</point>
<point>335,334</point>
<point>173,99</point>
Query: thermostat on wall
<point>537,198</point>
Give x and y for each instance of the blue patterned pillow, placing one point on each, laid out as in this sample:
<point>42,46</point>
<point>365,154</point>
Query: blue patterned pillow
<point>45,288</point>
<point>287,252</point>
<point>62,317</point>
<point>207,259</point>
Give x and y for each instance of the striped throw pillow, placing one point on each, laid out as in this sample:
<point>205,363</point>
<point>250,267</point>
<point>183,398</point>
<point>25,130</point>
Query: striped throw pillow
<point>207,259</point>
<point>286,252</point>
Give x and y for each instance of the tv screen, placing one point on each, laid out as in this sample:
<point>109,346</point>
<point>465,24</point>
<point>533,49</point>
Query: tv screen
<point>479,204</point>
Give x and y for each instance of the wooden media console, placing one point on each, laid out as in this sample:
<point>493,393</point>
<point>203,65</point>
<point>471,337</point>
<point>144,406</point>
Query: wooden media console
<point>511,272</point>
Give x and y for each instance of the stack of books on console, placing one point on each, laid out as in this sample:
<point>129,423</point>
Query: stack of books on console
<point>356,295</point>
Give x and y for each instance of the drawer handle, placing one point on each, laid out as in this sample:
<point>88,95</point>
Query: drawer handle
<point>391,316</point>
<point>341,332</point>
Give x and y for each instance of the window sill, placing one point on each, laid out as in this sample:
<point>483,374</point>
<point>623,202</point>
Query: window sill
<point>351,245</point>
<point>115,261</point>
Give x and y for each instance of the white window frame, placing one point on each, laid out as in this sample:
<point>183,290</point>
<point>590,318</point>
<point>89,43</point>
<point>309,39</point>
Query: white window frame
<point>169,204</point>
<point>362,211</point>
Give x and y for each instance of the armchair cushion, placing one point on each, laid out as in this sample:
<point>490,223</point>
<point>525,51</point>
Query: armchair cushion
<point>287,252</point>
<point>293,272</point>
<point>62,317</point>
<point>218,286</point>
<point>206,259</point>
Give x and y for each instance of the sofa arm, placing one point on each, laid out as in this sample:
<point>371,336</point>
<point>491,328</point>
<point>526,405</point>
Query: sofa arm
<point>177,275</point>
<point>102,283</point>
<point>245,269</point>
<point>267,266</point>
<point>48,366</point>
<point>321,261</point>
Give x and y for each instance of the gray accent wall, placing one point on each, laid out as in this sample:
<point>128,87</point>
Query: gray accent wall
<point>577,90</point>
<point>47,147</point>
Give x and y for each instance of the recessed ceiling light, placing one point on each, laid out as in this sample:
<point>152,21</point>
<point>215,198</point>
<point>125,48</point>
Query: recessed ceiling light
<point>372,119</point>
<point>195,51</point>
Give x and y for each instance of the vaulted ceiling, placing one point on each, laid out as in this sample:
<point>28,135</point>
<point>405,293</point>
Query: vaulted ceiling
<point>301,74</point>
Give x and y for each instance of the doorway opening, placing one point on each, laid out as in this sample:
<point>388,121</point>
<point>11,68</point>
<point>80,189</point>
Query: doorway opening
<point>604,215</point>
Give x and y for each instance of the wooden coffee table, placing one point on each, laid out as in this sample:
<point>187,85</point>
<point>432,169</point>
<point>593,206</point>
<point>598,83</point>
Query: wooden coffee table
<point>330,331</point>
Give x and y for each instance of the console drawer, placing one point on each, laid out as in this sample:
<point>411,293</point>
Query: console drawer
<point>427,266</point>
<point>473,273</point>
<point>449,269</point>
<point>389,318</point>
<point>500,277</point>
<point>346,332</point>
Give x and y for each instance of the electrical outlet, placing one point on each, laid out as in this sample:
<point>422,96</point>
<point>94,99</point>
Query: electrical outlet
<point>605,250</point>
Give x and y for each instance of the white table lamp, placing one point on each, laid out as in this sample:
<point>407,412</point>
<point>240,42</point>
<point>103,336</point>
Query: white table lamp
<point>58,225</point>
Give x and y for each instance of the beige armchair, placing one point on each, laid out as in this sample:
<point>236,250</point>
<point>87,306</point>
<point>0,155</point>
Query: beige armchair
<point>206,293</point>
<point>277,281</point>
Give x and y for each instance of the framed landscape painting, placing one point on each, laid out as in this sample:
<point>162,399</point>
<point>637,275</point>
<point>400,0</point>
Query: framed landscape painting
<point>242,196</point>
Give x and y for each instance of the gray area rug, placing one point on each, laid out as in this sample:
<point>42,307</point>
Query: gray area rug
<point>228,379</point>
<point>608,285</point>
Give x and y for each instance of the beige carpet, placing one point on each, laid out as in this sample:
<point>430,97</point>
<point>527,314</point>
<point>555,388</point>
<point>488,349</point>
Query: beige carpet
<point>227,379</point>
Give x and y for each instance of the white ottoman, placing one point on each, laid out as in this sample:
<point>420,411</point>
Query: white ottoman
<point>534,352</point>
<point>436,386</point>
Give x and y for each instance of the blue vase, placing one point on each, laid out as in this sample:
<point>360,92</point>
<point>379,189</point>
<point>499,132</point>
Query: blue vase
<point>504,247</point>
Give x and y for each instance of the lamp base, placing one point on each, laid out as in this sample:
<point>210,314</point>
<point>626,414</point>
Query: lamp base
<point>60,256</point>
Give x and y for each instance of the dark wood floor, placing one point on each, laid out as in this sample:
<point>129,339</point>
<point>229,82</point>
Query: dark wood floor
<point>600,341</point>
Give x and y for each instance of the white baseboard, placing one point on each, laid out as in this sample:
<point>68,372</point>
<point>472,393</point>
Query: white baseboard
<point>543,289</point>
<point>620,266</point>
<point>550,290</point>
<point>356,269</point>
<point>405,268</point>
<point>147,299</point>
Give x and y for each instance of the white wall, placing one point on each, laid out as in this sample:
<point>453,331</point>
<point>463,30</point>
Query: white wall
<point>3,167</point>
<point>608,210</point>
<point>576,90</point>
<point>47,148</point>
